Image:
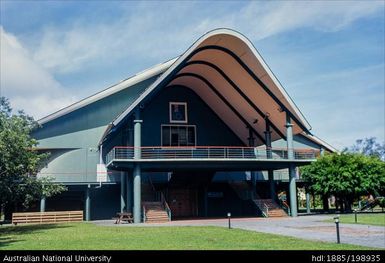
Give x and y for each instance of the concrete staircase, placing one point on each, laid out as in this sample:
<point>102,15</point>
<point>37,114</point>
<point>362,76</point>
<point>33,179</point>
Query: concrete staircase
<point>243,189</point>
<point>270,208</point>
<point>155,212</point>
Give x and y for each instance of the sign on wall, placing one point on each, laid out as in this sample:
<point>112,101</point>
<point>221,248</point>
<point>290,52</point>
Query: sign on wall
<point>101,172</point>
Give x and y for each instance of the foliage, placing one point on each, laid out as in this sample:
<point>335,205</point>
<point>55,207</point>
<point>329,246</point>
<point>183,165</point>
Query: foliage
<point>381,202</point>
<point>346,176</point>
<point>368,146</point>
<point>19,161</point>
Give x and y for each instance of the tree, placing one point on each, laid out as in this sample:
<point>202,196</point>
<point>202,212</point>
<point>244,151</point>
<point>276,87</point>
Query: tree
<point>368,146</point>
<point>346,176</point>
<point>20,162</point>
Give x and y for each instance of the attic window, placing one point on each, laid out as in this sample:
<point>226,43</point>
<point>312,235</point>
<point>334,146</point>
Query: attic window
<point>178,112</point>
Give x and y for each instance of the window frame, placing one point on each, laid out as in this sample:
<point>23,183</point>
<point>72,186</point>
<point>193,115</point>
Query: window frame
<point>171,103</point>
<point>177,126</point>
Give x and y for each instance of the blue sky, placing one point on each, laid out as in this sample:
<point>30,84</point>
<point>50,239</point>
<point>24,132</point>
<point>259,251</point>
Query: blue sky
<point>329,55</point>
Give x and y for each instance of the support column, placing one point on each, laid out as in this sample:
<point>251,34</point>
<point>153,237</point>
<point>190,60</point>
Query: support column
<point>137,185</point>
<point>273,194</point>
<point>251,137</point>
<point>292,173</point>
<point>205,202</point>
<point>88,203</point>
<point>269,155</point>
<point>123,205</point>
<point>252,173</point>
<point>137,193</point>
<point>307,202</point>
<point>42,204</point>
<point>129,193</point>
<point>137,139</point>
<point>293,190</point>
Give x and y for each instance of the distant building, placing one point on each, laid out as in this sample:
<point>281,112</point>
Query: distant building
<point>209,132</point>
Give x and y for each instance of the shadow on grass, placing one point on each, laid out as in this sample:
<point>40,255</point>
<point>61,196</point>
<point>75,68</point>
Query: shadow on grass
<point>9,234</point>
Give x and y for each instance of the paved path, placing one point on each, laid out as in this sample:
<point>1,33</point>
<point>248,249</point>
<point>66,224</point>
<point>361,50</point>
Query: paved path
<point>305,227</point>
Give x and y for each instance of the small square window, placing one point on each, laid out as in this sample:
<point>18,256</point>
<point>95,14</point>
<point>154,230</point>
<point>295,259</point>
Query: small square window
<point>178,112</point>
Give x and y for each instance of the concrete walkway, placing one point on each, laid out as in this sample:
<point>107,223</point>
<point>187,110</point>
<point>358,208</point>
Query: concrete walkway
<point>305,227</point>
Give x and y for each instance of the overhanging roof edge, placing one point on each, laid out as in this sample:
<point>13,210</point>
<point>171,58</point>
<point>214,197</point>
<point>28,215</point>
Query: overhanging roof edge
<point>147,73</point>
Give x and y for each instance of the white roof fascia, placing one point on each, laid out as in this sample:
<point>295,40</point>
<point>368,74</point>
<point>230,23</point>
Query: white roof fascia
<point>146,74</point>
<point>191,49</point>
<point>320,142</point>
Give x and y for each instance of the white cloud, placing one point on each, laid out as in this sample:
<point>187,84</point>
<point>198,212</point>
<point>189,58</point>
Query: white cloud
<point>28,86</point>
<point>149,32</point>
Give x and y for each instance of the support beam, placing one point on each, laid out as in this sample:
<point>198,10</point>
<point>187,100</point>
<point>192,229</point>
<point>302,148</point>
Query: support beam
<point>137,193</point>
<point>88,203</point>
<point>123,206</point>
<point>42,204</point>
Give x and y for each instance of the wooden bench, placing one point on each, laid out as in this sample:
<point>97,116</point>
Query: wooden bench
<point>47,217</point>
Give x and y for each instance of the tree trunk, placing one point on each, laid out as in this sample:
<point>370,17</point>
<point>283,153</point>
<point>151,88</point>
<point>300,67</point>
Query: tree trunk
<point>348,205</point>
<point>325,202</point>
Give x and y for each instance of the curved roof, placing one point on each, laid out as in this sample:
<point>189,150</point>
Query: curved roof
<point>227,72</point>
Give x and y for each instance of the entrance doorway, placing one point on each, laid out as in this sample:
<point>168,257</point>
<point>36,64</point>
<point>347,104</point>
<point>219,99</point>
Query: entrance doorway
<point>183,202</point>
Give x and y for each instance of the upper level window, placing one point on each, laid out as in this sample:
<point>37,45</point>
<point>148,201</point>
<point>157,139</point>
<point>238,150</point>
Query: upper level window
<point>178,135</point>
<point>178,112</point>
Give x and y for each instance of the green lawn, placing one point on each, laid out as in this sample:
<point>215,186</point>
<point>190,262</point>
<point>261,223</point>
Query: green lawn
<point>80,236</point>
<point>377,219</point>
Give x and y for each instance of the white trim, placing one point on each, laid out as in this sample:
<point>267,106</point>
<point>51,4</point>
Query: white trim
<point>141,76</point>
<point>191,49</point>
<point>320,142</point>
<point>185,112</point>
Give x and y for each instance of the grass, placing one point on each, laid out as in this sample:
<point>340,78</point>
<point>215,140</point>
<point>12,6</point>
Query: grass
<point>377,219</point>
<point>82,236</point>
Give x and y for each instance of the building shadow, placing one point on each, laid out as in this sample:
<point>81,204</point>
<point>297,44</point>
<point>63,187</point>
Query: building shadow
<point>9,234</point>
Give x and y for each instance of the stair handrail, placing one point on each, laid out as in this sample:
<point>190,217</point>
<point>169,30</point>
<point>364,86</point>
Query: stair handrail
<point>165,205</point>
<point>285,206</point>
<point>144,214</point>
<point>153,189</point>
<point>266,208</point>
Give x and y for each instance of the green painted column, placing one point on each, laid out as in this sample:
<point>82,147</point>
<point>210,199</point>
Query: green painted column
<point>137,193</point>
<point>129,193</point>
<point>292,173</point>
<point>88,203</point>
<point>289,138</point>
<point>122,192</point>
<point>137,139</point>
<point>137,185</point>
<point>293,190</point>
<point>42,204</point>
